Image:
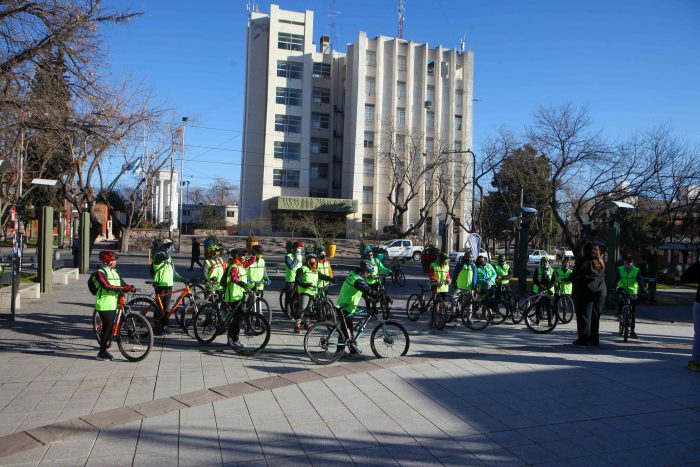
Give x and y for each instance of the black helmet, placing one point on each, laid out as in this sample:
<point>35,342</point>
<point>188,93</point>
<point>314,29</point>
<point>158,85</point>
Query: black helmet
<point>442,256</point>
<point>365,266</point>
<point>233,252</point>
<point>311,256</point>
<point>257,249</point>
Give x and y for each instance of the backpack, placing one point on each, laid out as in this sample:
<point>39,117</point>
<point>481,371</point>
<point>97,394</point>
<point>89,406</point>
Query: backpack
<point>226,276</point>
<point>92,284</point>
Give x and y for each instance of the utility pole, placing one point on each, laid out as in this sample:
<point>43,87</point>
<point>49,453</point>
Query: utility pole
<point>181,180</point>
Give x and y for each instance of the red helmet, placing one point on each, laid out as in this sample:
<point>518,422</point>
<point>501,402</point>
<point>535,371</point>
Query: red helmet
<point>299,245</point>
<point>107,256</point>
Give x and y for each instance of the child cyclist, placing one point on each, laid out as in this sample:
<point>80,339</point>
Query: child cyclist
<point>213,267</point>
<point>439,277</point>
<point>109,286</point>
<point>257,271</point>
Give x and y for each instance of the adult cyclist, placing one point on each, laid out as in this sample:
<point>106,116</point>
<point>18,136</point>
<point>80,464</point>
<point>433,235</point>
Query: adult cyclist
<point>164,276</point>
<point>630,280</point>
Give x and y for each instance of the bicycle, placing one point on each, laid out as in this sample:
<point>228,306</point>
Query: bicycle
<point>326,341</point>
<point>416,305</point>
<point>214,319</point>
<point>145,305</point>
<point>320,306</point>
<point>478,314</point>
<point>564,304</point>
<point>288,296</point>
<point>542,319</point>
<point>132,331</point>
<point>397,276</point>
<point>260,305</point>
<point>625,316</point>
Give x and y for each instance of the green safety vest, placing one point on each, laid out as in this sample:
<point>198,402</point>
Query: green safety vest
<point>502,271</point>
<point>234,292</point>
<point>549,271</point>
<point>349,297</point>
<point>440,273</point>
<point>256,272</point>
<point>290,274</point>
<point>566,287</point>
<point>628,280</point>
<point>214,270</point>
<point>106,300</point>
<point>310,276</point>
<point>164,273</point>
<point>324,267</point>
<point>465,277</point>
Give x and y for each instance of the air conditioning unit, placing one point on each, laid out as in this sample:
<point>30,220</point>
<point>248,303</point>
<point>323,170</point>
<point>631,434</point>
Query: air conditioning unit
<point>428,104</point>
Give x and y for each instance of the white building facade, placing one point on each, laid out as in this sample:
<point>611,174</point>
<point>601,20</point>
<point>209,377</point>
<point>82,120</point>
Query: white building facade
<point>317,123</point>
<point>164,204</point>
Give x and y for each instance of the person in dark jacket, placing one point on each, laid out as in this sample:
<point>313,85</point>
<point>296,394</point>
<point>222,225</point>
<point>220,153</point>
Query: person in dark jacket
<point>196,253</point>
<point>588,279</point>
<point>692,274</point>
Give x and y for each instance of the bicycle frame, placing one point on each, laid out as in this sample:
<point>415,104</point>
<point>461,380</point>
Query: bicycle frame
<point>184,292</point>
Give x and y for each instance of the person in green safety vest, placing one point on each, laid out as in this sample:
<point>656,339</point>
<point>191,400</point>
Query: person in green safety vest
<point>377,267</point>
<point>236,280</point>
<point>439,277</point>
<point>464,274</point>
<point>324,266</point>
<point>629,279</point>
<point>485,273</point>
<point>292,262</point>
<point>543,279</point>
<point>306,281</point>
<point>257,271</point>
<point>353,289</point>
<point>109,286</point>
<point>562,276</point>
<point>502,274</point>
<point>164,276</point>
<point>214,268</point>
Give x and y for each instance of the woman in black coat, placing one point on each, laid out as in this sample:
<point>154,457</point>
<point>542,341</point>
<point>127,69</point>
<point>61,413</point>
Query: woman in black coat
<point>588,278</point>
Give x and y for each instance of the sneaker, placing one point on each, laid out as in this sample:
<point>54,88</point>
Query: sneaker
<point>102,356</point>
<point>354,356</point>
<point>297,330</point>
<point>695,366</point>
<point>167,330</point>
<point>633,335</point>
<point>237,346</point>
<point>309,325</point>
<point>109,356</point>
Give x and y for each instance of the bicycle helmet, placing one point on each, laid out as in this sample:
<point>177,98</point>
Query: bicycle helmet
<point>236,252</point>
<point>213,248</point>
<point>257,249</point>
<point>107,256</point>
<point>320,251</point>
<point>544,259</point>
<point>366,249</point>
<point>167,246</point>
<point>299,245</point>
<point>501,258</point>
<point>442,256</point>
<point>310,256</point>
<point>365,266</point>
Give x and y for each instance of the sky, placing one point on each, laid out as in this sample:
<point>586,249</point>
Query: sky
<point>634,63</point>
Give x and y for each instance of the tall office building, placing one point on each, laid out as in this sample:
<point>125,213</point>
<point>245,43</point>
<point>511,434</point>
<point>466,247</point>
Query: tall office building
<point>330,132</point>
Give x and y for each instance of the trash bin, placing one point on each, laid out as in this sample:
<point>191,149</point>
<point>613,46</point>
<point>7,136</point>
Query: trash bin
<point>651,288</point>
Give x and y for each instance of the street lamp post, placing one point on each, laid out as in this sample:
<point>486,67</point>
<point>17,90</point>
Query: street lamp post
<point>182,177</point>
<point>613,243</point>
<point>526,217</point>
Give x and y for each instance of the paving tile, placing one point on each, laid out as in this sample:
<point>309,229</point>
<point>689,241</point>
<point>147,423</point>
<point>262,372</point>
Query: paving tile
<point>199,397</point>
<point>333,371</point>
<point>60,430</point>
<point>388,362</point>
<point>119,416</point>
<point>234,389</point>
<point>270,382</point>
<point>361,366</point>
<point>157,407</point>
<point>302,376</point>
<point>17,442</point>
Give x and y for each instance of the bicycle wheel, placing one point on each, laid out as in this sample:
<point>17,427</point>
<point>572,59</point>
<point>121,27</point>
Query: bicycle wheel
<point>199,292</point>
<point>262,307</point>
<point>144,306</point>
<point>206,323</point>
<point>439,314</point>
<point>135,337</point>
<point>516,313</point>
<point>254,335</point>
<point>540,321</point>
<point>499,309</point>
<point>414,307</point>
<point>565,308</point>
<point>186,313</point>
<point>97,325</point>
<point>389,339</point>
<point>401,279</point>
<point>324,343</point>
<point>476,316</point>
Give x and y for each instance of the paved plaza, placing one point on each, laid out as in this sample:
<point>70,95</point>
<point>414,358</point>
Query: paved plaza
<point>500,396</point>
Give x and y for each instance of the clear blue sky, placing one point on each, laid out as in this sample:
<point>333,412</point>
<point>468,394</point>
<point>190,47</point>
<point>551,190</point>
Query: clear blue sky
<point>635,63</point>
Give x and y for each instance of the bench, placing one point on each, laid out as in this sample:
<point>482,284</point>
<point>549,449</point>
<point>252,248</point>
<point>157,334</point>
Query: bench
<point>61,276</point>
<point>28,291</point>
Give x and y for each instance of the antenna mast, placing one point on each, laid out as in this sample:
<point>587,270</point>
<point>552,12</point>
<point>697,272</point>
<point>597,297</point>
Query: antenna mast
<point>332,25</point>
<point>402,15</point>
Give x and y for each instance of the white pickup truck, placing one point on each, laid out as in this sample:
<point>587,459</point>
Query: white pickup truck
<point>401,248</point>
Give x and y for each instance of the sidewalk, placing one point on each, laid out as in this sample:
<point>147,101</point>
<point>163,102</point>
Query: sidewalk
<point>500,396</point>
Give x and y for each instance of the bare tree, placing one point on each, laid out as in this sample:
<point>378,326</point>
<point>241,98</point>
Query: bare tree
<point>223,192</point>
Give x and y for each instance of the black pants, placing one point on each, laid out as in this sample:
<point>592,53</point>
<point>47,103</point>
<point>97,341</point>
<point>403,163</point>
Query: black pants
<point>633,308</point>
<point>107,318</point>
<point>234,329</point>
<point>162,318</point>
<point>588,311</point>
<point>193,260</point>
<point>346,325</point>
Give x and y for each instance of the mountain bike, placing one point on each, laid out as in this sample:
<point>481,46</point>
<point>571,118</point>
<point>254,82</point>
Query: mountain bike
<point>625,315</point>
<point>474,312</point>
<point>288,299</point>
<point>214,319</point>
<point>438,304</point>
<point>564,304</point>
<point>259,304</point>
<point>132,331</point>
<point>397,275</point>
<point>320,307</point>
<point>539,319</point>
<point>153,309</point>
<point>326,341</point>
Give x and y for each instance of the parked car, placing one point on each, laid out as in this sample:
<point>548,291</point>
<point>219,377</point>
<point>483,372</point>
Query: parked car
<point>562,253</point>
<point>402,248</point>
<point>455,255</point>
<point>536,256</point>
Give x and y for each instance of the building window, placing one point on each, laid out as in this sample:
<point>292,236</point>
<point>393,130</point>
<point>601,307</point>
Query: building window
<point>321,96</point>
<point>430,95</point>
<point>429,145</point>
<point>429,224</point>
<point>455,224</point>
<point>369,113</point>
<point>288,96</point>
<point>318,170</point>
<point>430,119</point>
<point>458,146</point>
<point>287,151</point>
<point>400,116</point>
<point>369,167</point>
<point>287,69</point>
<point>402,63</point>
<point>288,41</point>
<point>445,69</point>
<point>400,89</point>
<point>457,176</point>
<point>371,58</point>
<point>459,97</point>
<point>320,120</point>
<point>367,221</point>
<point>322,70</point>
<point>368,194</point>
<point>369,139</point>
<point>285,178</point>
<point>231,214</point>
<point>288,123</point>
<point>319,146</point>
<point>458,123</point>
<point>370,86</point>
<point>318,192</point>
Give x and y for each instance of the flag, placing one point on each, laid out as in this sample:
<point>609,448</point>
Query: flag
<point>135,166</point>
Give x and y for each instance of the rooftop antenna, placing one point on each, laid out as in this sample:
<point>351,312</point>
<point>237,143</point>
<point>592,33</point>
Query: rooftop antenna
<point>402,16</point>
<point>332,25</point>
<point>463,42</point>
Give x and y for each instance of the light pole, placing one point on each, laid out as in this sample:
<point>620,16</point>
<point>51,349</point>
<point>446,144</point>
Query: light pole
<point>613,243</point>
<point>182,177</point>
<point>526,216</point>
